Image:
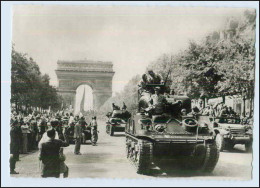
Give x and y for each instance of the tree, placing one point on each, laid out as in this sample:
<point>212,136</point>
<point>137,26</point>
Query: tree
<point>129,95</point>
<point>221,64</point>
<point>29,87</point>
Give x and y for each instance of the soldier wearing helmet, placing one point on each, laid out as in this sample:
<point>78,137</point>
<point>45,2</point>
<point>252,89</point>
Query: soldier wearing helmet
<point>142,86</point>
<point>184,112</point>
<point>154,78</point>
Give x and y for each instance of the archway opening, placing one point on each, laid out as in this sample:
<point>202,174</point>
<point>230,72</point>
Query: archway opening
<point>84,100</point>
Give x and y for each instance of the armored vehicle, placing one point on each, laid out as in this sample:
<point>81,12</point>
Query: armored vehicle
<point>169,137</point>
<point>117,121</point>
<point>86,133</point>
<point>229,131</point>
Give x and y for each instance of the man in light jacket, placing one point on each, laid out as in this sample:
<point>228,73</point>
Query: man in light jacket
<point>78,135</point>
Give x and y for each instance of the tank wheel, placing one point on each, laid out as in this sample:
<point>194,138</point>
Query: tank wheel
<point>248,147</point>
<point>211,158</point>
<point>229,146</point>
<point>197,159</point>
<point>220,142</point>
<point>111,132</point>
<point>142,157</point>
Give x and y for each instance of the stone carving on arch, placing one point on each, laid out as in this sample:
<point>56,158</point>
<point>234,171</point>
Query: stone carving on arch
<point>96,74</point>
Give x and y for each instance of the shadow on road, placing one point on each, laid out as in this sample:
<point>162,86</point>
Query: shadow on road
<point>235,150</point>
<point>28,153</point>
<point>165,170</point>
<point>119,135</point>
<point>86,143</point>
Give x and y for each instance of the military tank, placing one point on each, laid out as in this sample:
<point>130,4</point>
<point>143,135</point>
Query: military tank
<point>117,121</point>
<point>169,137</point>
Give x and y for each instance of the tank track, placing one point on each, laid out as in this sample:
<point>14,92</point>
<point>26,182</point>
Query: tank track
<point>139,152</point>
<point>211,158</point>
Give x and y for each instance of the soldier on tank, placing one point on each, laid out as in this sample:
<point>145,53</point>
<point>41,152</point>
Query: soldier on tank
<point>157,103</point>
<point>124,106</point>
<point>125,114</point>
<point>154,78</point>
<point>115,107</point>
<point>142,86</point>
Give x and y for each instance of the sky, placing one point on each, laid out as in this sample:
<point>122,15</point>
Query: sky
<point>130,37</point>
<point>88,100</point>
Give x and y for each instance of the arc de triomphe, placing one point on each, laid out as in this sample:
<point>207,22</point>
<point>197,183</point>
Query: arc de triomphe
<point>98,75</point>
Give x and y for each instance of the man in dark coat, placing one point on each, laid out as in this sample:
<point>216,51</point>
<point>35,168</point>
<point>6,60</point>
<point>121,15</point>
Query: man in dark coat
<point>14,146</point>
<point>49,155</point>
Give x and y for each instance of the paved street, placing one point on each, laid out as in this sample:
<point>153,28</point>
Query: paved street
<point>108,160</point>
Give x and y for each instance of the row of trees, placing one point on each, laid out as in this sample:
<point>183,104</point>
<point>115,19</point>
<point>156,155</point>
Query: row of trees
<point>129,96</point>
<point>29,88</point>
<point>221,64</point>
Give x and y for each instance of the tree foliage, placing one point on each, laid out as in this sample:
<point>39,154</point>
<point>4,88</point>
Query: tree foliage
<point>221,64</point>
<point>128,96</point>
<point>29,87</point>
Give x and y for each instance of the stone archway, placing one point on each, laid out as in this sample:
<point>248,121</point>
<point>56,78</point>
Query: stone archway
<point>98,75</point>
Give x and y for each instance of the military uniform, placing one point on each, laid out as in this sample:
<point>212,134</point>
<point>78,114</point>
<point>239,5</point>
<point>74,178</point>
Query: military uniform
<point>115,107</point>
<point>157,102</point>
<point>78,135</point>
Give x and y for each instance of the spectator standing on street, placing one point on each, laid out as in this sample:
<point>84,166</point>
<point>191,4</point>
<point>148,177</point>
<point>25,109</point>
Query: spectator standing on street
<point>34,133</point>
<point>50,155</point>
<point>14,146</point>
<point>20,135</point>
<point>42,127</point>
<point>77,136</point>
<point>25,132</point>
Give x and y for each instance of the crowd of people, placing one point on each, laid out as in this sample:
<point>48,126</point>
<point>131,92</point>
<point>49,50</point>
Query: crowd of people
<point>220,110</point>
<point>153,99</point>
<point>48,132</point>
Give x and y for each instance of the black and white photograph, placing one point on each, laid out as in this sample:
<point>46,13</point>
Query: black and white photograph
<point>131,92</point>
